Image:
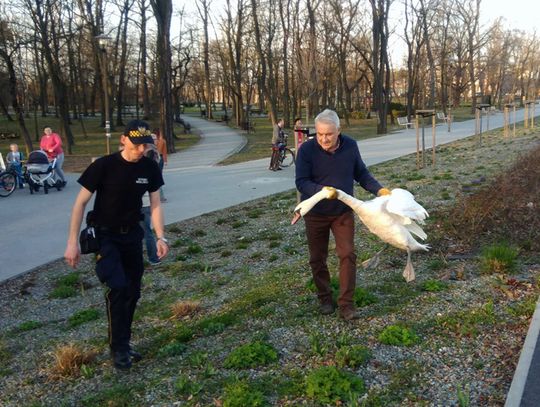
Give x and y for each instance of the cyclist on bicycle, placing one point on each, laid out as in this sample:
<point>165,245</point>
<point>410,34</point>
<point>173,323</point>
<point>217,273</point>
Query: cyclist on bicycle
<point>278,143</point>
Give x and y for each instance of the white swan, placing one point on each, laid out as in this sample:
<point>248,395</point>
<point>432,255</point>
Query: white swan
<point>391,217</point>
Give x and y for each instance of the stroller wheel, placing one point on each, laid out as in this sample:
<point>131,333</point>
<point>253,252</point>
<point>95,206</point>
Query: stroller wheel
<point>45,188</point>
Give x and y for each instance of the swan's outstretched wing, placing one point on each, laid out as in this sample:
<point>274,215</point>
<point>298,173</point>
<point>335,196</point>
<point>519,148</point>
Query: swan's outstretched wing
<point>402,203</point>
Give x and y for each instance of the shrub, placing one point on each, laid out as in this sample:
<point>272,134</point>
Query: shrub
<point>63,291</point>
<point>398,335</point>
<point>174,348</point>
<point>181,309</point>
<point>498,258</point>
<point>240,394</point>
<point>251,355</point>
<point>434,285</point>
<point>187,387</point>
<point>69,359</point>
<point>70,279</point>
<point>194,249</point>
<point>352,356</point>
<point>29,326</point>
<point>183,333</point>
<point>329,385</point>
<point>65,286</point>
<point>363,297</point>
<point>83,316</point>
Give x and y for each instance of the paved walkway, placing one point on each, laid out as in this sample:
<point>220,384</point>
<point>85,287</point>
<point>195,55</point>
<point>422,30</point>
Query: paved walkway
<point>34,227</point>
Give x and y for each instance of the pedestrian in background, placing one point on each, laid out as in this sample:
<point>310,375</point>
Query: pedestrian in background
<point>161,145</point>
<point>51,143</point>
<point>278,143</point>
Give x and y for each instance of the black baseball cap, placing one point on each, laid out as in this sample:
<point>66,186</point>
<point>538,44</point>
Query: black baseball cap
<point>138,132</point>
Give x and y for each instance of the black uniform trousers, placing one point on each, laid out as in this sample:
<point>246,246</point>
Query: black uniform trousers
<point>120,266</point>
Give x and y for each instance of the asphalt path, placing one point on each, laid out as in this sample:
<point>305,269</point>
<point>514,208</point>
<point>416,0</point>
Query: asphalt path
<point>34,228</point>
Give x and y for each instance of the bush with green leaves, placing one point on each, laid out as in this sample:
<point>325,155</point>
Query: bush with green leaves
<point>63,291</point>
<point>186,387</point>
<point>329,385</point>
<point>241,394</point>
<point>252,354</point>
<point>398,335</point>
<point>363,297</point>
<point>83,316</point>
<point>66,286</point>
<point>29,326</point>
<point>173,348</point>
<point>434,286</point>
<point>498,258</point>
<point>352,356</point>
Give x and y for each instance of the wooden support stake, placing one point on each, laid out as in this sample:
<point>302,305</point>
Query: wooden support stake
<point>417,142</point>
<point>433,125</point>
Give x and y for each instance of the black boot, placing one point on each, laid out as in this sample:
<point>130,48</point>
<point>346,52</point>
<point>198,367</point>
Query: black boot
<point>121,360</point>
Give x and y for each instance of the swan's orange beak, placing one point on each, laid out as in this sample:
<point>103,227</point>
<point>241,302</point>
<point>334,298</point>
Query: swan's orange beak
<point>296,217</point>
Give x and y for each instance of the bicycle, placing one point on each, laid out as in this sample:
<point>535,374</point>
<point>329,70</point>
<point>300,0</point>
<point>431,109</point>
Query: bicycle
<point>286,156</point>
<point>8,182</point>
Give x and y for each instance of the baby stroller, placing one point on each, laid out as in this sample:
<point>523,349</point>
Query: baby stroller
<point>40,172</point>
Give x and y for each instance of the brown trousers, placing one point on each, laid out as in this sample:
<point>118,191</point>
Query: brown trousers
<point>318,229</point>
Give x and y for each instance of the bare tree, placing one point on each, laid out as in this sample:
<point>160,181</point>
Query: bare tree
<point>9,46</point>
<point>163,14</point>
<point>381,66</point>
<point>47,17</point>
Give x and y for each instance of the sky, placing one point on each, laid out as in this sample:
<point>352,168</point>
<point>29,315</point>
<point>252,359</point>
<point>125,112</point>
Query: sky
<point>518,14</point>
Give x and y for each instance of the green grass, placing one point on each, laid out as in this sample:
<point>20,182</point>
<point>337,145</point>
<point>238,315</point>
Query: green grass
<point>29,326</point>
<point>330,385</point>
<point>398,335</point>
<point>83,316</point>
<point>499,258</point>
<point>94,144</point>
<point>251,355</point>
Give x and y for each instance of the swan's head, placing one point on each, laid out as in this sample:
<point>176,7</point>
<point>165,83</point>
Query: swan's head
<point>305,206</point>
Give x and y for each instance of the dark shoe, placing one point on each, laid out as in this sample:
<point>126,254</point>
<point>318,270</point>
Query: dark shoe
<point>326,308</point>
<point>279,169</point>
<point>135,356</point>
<point>349,314</point>
<point>121,360</point>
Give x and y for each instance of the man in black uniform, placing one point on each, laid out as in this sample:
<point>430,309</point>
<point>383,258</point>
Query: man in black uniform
<point>120,180</point>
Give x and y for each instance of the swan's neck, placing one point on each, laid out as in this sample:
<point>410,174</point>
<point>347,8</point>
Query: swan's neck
<point>309,203</point>
<point>349,200</point>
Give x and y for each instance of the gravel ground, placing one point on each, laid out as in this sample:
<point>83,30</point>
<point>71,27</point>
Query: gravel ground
<point>247,269</point>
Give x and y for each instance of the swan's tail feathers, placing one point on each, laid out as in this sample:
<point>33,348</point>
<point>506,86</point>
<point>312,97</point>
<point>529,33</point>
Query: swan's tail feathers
<point>416,230</point>
<point>372,262</point>
<point>414,246</point>
<point>408,273</point>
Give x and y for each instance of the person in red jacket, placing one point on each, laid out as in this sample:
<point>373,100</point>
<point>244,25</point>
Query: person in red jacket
<point>51,143</point>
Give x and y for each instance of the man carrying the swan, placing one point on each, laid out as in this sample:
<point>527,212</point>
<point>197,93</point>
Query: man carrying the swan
<point>326,168</point>
<point>332,159</point>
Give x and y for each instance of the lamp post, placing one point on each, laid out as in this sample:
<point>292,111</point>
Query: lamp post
<point>103,41</point>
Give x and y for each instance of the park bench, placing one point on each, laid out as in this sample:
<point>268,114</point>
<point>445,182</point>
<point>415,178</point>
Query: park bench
<point>402,121</point>
<point>8,135</point>
<point>442,116</point>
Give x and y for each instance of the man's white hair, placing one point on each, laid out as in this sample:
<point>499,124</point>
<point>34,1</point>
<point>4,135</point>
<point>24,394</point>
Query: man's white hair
<point>329,117</point>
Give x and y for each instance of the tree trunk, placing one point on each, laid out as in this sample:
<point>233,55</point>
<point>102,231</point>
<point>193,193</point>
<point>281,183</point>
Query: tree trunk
<point>163,13</point>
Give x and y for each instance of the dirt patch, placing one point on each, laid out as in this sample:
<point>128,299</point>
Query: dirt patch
<point>77,163</point>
